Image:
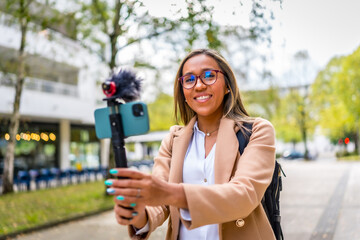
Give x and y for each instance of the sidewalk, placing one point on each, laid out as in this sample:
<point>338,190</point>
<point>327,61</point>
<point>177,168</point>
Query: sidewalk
<point>102,226</point>
<point>320,200</point>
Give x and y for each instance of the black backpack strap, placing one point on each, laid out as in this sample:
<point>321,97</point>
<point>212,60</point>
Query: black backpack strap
<point>244,140</point>
<point>271,199</point>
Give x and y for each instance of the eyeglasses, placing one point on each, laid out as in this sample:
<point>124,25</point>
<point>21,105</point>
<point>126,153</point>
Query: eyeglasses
<point>208,77</point>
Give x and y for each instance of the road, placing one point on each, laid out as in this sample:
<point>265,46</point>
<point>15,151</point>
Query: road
<point>320,200</point>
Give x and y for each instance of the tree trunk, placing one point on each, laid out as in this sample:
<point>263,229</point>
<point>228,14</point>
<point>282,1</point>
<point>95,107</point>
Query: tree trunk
<point>357,136</point>
<point>306,153</point>
<point>112,62</point>
<point>303,129</point>
<point>8,176</point>
<point>114,35</point>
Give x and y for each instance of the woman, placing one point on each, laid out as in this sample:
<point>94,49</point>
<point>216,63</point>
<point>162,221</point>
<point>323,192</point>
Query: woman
<point>200,180</point>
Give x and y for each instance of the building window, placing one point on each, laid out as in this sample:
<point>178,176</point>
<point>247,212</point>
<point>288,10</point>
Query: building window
<point>36,146</point>
<point>84,148</point>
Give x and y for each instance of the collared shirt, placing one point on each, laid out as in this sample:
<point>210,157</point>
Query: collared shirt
<point>198,169</point>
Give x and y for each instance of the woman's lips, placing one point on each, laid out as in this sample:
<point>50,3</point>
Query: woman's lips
<point>202,98</point>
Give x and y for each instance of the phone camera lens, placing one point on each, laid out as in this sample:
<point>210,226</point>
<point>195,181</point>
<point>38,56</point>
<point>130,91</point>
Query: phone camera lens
<point>138,110</point>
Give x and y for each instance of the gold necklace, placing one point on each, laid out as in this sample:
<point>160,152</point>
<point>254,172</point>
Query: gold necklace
<point>209,133</point>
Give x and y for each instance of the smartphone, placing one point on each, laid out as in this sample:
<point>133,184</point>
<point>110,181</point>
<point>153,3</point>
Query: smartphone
<point>134,116</point>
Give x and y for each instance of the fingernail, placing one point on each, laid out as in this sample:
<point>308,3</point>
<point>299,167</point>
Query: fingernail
<point>132,204</point>
<point>121,198</point>
<point>113,171</point>
<point>110,190</point>
<point>134,214</point>
<point>108,182</point>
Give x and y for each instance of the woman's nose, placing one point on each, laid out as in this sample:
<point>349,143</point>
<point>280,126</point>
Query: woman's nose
<point>199,84</point>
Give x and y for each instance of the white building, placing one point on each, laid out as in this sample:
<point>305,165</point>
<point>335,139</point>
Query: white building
<point>60,94</point>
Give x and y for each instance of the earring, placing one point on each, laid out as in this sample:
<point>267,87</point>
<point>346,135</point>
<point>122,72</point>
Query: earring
<point>228,90</point>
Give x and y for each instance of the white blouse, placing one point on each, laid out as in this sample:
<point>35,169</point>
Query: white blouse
<point>198,169</point>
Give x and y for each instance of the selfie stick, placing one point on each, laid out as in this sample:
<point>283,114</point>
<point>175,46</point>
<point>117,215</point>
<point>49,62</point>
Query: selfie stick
<point>117,135</point>
<point>120,88</point>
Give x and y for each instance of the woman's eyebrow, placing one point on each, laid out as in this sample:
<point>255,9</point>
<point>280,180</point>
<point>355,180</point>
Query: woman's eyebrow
<point>202,70</point>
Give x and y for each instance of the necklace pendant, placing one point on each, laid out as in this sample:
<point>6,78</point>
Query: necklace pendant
<point>208,134</point>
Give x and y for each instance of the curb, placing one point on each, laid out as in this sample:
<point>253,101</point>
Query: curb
<point>53,224</point>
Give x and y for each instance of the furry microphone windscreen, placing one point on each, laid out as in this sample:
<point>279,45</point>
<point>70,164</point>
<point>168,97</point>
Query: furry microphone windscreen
<point>128,86</point>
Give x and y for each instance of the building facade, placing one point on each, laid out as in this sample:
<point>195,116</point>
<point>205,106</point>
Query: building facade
<point>60,93</point>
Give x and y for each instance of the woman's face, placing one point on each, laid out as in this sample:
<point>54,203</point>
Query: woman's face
<point>205,100</point>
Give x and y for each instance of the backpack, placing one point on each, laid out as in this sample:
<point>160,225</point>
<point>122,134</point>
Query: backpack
<point>271,199</point>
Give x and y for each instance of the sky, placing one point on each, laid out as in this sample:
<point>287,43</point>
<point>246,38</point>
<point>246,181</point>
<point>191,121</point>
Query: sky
<point>324,28</point>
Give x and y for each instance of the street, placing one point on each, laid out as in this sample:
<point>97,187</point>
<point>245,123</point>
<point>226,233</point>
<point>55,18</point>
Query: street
<point>320,200</point>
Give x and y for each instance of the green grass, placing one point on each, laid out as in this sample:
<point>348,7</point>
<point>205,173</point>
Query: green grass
<point>350,158</point>
<point>20,211</point>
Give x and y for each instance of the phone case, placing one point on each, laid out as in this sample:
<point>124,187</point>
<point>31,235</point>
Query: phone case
<point>102,123</point>
<point>135,120</point>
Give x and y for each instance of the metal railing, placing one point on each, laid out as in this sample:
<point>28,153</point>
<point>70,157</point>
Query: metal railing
<point>41,85</point>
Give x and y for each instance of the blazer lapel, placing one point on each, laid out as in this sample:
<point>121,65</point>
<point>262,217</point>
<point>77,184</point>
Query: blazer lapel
<point>226,150</point>
<point>180,144</point>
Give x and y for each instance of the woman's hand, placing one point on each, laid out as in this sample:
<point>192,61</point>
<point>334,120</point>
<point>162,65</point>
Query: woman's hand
<point>138,190</point>
<point>135,216</point>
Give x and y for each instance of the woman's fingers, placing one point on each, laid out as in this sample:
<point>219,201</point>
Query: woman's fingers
<point>134,192</point>
<point>137,188</point>
<point>124,216</point>
<point>126,183</point>
<point>126,201</point>
<point>127,173</point>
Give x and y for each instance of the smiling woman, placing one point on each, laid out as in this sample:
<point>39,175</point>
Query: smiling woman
<point>200,180</point>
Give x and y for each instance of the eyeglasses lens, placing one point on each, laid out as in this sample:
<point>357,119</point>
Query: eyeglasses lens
<point>207,77</point>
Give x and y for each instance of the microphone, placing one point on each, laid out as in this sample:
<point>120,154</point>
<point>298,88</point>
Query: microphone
<point>124,85</point>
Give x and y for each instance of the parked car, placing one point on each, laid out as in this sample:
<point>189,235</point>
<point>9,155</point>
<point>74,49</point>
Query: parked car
<point>292,154</point>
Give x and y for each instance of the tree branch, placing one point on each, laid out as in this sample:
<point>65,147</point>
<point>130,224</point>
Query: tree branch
<point>155,34</point>
<point>103,19</point>
<point>116,20</point>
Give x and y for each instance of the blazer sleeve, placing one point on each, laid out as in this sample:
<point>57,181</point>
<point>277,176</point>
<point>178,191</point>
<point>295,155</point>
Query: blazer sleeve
<point>158,214</point>
<point>237,198</point>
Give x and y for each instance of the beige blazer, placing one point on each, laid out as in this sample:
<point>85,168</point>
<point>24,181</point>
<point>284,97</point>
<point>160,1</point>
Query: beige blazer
<point>234,201</point>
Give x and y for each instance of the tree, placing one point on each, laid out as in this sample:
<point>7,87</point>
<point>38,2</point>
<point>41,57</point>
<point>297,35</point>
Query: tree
<point>263,103</point>
<point>291,119</point>
<point>337,98</point>
<point>326,103</point>
<point>106,27</point>
<point>349,84</point>
<point>23,13</point>
<point>161,113</point>
<point>294,120</point>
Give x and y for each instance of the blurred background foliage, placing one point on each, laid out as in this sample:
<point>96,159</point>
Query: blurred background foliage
<point>125,33</point>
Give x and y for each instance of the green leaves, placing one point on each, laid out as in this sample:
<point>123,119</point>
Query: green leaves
<point>336,96</point>
<point>161,113</point>
<point>120,24</point>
